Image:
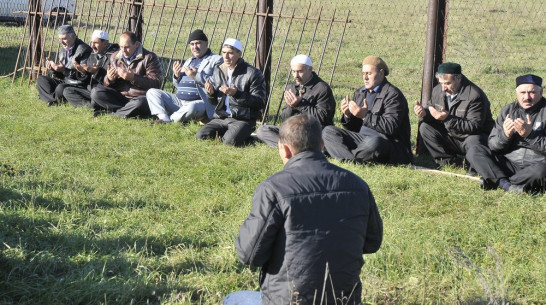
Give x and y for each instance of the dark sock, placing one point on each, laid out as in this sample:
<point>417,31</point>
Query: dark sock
<point>504,184</point>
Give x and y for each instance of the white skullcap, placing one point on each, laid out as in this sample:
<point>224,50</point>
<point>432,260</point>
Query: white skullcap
<point>234,43</point>
<point>100,34</point>
<point>301,59</point>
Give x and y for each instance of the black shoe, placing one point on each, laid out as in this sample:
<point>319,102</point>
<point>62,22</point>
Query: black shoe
<point>516,189</point>
<point>53,103</point>
<point>98,112</point>
<point>487,185</point>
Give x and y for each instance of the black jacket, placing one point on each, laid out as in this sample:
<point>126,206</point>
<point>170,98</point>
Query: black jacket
<point>317,101</point>
<point>310,214</point>
<point>389,116</point>
<point>470,112</point>
<point>522,151</point>
<point>249,101</point>
<point>80,53</point>
<point>102,62</point>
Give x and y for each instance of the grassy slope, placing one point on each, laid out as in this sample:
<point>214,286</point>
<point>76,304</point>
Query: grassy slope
<point>108,210</point>
<point>115,211</point>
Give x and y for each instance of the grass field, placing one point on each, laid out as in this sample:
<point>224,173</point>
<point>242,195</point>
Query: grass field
<point>110,211</point>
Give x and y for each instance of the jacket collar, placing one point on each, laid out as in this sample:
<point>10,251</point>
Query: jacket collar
<point>139,54</point>
<point>305,155</point>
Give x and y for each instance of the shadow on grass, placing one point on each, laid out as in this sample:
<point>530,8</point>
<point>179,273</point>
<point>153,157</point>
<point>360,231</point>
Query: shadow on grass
<point>42,264</point>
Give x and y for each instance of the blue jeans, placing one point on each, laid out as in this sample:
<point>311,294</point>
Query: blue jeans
<point>244,297</point>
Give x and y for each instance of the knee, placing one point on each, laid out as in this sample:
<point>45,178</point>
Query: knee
<point>373,143</point>
<point>153,95</point>
<point>425,129</point>
<point>540,170</point>
<point>476,150</point>
<point>329,132</point>
<point>95,94</point>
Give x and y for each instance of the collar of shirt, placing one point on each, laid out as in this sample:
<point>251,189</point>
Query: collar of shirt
<point>130,59</point>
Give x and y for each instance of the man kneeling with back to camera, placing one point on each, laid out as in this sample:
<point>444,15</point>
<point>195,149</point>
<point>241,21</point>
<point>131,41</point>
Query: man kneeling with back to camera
<point>312,218</point>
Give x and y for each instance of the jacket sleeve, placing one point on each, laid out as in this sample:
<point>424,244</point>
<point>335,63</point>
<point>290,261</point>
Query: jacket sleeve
<point>474,120</point>
<point>257,234</point>
<point>389,121</point>
<point>374,232</point>
<point>153,77</point>
<point>498,141</point>
<point>324,108</point>
<point>206,72</point>
<point>254,97</point>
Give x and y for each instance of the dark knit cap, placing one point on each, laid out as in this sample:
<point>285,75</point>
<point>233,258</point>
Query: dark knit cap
<point>65,29</point>
<point>197,35</point>
<point>528,79</point>
<point>449,68</point>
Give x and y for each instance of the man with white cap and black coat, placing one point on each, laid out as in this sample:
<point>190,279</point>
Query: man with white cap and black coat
<point>309,94</point>
<point>94,67</point>
<point>515,160</point>
<point>238,91</point>
<point>74,50</point>
<point>376,121</point>
<point>190,101</point>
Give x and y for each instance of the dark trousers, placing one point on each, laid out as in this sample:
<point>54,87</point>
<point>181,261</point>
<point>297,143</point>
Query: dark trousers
<point>442,146</point>
<point>51,90</point>
<point>345,145</point>
<point>269,134</point>
<point>492,166</point>
<point>78,96</point>
<point>231,131</point>
<point>111,100</point>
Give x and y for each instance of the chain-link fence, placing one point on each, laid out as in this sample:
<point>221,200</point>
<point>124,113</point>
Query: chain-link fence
<point>493,40</point>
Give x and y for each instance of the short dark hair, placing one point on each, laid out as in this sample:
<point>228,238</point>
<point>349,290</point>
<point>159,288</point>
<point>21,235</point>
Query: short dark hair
<point>132,36</point>
<point>302,133</point>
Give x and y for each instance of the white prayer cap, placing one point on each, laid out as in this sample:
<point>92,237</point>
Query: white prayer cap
<point>100,34</point>
<point>301,59</point>
<point>234,43</point>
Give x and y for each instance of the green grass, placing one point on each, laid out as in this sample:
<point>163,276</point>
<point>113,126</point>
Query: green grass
<point>110,211</point>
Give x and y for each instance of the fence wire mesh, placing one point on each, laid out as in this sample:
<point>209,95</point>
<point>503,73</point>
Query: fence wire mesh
<point>493,40</point>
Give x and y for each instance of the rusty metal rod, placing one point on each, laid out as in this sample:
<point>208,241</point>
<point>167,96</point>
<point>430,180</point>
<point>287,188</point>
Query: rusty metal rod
<point>145,33</point>
<point>314,33</point>
<point>276,72</point>
<point>338,49</point>
<point>206,16</point>
<point>216,24</point>
<point>241,22</point>
<point>20,48</point>
<point>326,42</point>
<point>158,24</point>
<point>266,111</point>
<point>227,26</point>
<point>251,23</point>
<point>174,48</point>
<point>259,39</point>
<point>29,49</point>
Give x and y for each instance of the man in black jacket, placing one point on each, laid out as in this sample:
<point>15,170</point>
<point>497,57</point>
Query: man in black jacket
<point>238,91</point>
<point>74,50</point>
<point>457,117</point>
<point>94,68</point>
<point>310,220</point>
<point>308,95</point>
<point>516,158</point>
<point>376,121</point>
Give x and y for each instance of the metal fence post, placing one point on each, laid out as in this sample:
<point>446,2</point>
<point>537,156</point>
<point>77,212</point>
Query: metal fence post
<point>434,53</point>
<point>135,20</point>
<point>263,62</point>
<point>35,46</point>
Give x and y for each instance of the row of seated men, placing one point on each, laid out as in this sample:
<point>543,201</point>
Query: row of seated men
<point>229,95</point>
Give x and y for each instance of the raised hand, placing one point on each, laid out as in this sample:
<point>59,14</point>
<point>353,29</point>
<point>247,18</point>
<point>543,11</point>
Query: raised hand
<point>508,126</point>
<point>208,87</point>
<point>177,67</point>
<point>522,127</point>
<point>357,111</point>
<point>419,110</point>
<point>228,91</point>
<point>439,115</point>
<point>291,99</point>
<point>345,106</point>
